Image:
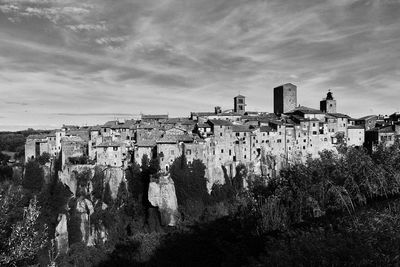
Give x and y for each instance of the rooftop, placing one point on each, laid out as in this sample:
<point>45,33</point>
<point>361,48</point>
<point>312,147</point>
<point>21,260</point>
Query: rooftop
<point>221,122</point>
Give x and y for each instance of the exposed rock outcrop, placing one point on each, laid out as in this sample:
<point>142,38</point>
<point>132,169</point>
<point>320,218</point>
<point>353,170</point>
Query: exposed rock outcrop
<point>162,194</point>
<point>68,175</point>
<point>61,234</point>
<point>84,209</point>
<point>114,177</point>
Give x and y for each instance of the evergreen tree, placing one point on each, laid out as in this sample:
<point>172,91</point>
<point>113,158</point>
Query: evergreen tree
<point>134,179</point>
<point>107,198</point>
<point>34,177</point>
<point>98,183</point>
<point>122,195</point>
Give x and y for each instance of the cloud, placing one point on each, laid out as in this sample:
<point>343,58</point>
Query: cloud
<point>119,56</point>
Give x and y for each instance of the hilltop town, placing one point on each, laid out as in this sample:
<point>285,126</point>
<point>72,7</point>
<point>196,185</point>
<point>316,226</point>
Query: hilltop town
<point>221,139</point>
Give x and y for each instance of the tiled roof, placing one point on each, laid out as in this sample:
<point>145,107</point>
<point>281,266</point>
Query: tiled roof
<point>384,129</point>
<point>241,128</point>
<point>146,143</point>
<point>267,129</point>
<point>36,136</point>
<point>203,125</point>
<point>110,144</point>
<point>305,110</point>
<point>367,117</point>
<point>221,122</point>
<point>202,114</point>
<point>175,138</point>
<point>355,127</point>
<point>109,124</point>
<point>72,139</point>
<point>339,115</point>
<point>95,128</point>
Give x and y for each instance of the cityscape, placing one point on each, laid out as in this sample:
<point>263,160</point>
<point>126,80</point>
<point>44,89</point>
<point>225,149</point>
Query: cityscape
<point>199,133</point>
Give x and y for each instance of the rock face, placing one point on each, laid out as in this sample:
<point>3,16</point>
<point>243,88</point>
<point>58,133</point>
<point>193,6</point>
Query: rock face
<point>61,234</point>
<point>163,196</point>
<point>67,175</point>
<point>114,177</point>
<point>84,208</point>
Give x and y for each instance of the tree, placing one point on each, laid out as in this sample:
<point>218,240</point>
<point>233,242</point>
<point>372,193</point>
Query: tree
<point>107,198</point>
<point>83,179</point>
<point>44,158</point>
<point>34,177</point>
<point>122,195</point>
<point>190,185</point>
<point>26,239</point>
<point>135,184</point>
<point>98,183</point>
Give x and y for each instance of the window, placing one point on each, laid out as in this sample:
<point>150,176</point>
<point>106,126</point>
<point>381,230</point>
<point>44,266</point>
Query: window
<point>244,134</point>
<point>115,148</point>
<point>220,134</point>
<point>279,141</point>
<point>237,134</point>
<point>313,124</point>
<point>222,151</point>
<point>188,152</point>
<point>240,101</point>
<point>230,152</point>
<point>314,132</point>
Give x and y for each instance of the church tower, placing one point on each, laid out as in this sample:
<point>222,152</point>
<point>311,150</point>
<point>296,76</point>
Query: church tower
<point>328,104</point>
<point>239,104</point>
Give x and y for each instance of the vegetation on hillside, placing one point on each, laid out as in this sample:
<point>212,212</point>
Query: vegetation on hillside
<point>339,209</point>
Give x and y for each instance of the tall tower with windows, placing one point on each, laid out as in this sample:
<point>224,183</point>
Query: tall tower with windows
<point>328,104</point>
<point>239,104</point>
<point>285,98</point>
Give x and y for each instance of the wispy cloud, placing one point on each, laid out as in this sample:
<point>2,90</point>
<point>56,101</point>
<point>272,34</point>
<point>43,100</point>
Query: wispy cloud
<point>92,57</point>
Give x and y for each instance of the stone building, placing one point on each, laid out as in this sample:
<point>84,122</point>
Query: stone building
<point>328,104</point>
<point>239,104</point>
<point>355,136</point>
<point>35,146</point>
<point>112,154</point>
<point>285,98</point>
<point>72,147</point>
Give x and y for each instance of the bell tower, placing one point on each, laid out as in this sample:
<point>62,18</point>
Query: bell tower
<point>328,104</point>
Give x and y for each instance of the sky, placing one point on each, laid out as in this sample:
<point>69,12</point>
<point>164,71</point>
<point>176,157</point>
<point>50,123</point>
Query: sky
<point>88,61</point>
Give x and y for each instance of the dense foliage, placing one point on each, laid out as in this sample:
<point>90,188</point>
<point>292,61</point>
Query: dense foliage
<point>338,209</point>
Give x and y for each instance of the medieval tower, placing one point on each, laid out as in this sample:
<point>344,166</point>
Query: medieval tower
<point>285,98</point>
<point>239,104</point>
<point>328,104</point>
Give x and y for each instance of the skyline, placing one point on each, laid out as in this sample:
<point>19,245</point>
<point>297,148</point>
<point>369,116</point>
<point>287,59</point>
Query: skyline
<point>85,62</point>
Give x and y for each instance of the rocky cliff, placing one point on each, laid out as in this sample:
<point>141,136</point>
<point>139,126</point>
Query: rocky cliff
<point>162,195</point>
<point>61,234</point>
